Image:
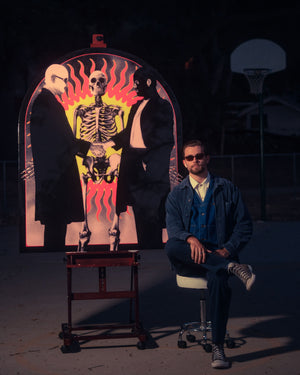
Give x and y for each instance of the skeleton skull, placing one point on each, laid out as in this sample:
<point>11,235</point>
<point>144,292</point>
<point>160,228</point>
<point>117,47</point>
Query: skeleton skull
<point>97,83</point>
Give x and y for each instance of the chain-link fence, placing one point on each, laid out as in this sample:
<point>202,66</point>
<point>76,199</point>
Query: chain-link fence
<point>282,183</point>
<point>281,170</point>
<point>9,197</point>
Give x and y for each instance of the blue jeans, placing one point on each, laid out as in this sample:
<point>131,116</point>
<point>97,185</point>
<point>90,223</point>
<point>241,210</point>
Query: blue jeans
<point>215,270</point>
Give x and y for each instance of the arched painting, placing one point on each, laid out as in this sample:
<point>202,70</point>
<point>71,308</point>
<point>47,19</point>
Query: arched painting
<point>99,134</point>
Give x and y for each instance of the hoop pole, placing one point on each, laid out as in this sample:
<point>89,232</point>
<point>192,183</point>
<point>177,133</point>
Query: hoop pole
<point>262,160</point>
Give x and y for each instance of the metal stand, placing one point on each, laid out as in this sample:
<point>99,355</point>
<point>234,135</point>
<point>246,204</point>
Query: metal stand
<point>262,159</point>
<point>203,327</point>
<point>256,80</point>
<point>102,260</point>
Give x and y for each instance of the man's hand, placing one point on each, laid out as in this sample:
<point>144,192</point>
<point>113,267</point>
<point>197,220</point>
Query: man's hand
<point>223,252</point>
<point>198,251</point>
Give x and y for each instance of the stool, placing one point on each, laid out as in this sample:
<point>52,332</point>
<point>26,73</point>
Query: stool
<point>204,326</point>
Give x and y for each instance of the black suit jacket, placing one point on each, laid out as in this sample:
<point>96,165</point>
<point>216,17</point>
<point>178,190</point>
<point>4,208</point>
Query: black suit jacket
<point>58,193</point>
<point>144,173</point>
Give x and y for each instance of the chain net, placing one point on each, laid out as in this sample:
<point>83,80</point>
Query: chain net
<point>256,79</point>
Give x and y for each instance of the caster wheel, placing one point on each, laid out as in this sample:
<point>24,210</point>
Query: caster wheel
<point>230,343</point>
<point>191,338</point>
<point>181,344</point>
<point>73,348</point>
<point>141,345</point>
<point>207,348</point>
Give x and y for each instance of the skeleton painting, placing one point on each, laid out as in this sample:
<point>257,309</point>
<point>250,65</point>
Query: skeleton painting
<point>98,126</point>
<point>100,93</point>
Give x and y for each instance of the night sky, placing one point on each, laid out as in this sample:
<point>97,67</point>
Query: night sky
<point>189,45</point>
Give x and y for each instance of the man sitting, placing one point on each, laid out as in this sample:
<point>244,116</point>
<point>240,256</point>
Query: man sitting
<point>208,224</point>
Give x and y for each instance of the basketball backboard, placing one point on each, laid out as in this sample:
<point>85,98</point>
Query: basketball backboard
<point>258,54</point>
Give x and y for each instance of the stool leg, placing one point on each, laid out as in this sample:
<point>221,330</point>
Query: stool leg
<point>131,299</point>
<point>69,287</point>
<point>203,324</point>
<point>203,311</point>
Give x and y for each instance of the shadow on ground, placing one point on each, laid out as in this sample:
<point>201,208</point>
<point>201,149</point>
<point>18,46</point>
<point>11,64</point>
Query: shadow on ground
<point>272,308</point>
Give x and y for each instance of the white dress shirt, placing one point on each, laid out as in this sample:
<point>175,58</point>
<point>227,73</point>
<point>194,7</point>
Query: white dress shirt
<point>201,189</point>
<point>136,137</point>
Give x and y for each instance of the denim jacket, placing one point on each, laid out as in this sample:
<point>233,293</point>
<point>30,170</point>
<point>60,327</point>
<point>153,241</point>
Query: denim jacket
<point>233,222</point>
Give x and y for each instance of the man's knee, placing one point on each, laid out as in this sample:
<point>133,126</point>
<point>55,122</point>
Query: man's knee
<point>174,245</point>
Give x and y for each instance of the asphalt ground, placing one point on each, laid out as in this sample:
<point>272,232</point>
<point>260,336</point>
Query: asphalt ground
<point>264,323</point>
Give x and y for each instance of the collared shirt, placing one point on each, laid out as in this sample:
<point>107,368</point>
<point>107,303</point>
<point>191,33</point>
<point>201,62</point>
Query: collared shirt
<point>136,137</point>
<point>233,222</point>
<point>201,189</point>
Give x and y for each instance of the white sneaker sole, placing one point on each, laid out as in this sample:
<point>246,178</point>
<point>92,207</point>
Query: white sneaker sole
<point>220,364</point>
<point>250,281</point>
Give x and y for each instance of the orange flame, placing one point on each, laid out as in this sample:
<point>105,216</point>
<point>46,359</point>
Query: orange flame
<point>115,88</point>
<point>104,193</point>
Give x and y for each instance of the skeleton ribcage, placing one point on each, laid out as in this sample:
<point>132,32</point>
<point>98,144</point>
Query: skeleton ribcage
<point>98,123</point>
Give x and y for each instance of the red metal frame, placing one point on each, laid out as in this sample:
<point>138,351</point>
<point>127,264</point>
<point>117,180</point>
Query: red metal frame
<point>102,260</point>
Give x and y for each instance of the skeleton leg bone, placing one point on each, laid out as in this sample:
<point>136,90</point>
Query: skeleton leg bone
<point>85,234</point>
<point>114,231</point>
<point>114,234</point>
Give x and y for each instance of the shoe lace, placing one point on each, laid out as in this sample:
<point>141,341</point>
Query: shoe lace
<point>218,352</point>
<point>242,272</point>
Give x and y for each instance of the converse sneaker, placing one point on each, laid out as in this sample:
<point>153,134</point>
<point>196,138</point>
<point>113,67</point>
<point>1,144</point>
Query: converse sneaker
<point>218,357</point>
<point>243,272</point>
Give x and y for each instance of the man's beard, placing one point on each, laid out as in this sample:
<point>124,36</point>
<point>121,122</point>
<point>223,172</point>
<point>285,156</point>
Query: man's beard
<point>197,169</point>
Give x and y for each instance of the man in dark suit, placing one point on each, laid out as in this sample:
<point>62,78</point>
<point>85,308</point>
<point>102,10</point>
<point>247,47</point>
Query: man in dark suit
<point>58,196</point>
<point>146,144</point>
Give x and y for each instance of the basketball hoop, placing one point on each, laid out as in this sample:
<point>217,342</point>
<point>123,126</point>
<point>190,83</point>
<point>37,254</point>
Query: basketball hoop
<point>256,58</point>
<point>256,79</point>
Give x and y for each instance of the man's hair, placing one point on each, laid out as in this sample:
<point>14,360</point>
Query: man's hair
<point>144,73</point>
<point>193,143</point>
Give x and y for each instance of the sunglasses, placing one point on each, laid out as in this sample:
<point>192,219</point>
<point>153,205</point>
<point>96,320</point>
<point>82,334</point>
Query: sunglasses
<point>63,79</point>
<point>197,157</point>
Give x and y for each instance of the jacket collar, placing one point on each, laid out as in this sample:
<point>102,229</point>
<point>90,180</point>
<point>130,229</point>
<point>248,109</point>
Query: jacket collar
<point>217,181</point>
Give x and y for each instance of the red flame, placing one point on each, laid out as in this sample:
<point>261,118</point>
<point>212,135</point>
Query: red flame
<point>115,88</point>
<point>104,192</point>
<point>85,85</point>
<point>104,67</point>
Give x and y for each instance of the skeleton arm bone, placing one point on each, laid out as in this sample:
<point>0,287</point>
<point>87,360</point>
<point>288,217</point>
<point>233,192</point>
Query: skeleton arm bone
<point>121,115</point>
<point>75,121</point>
